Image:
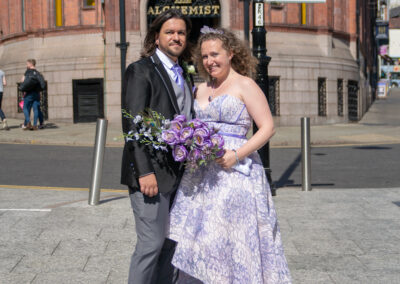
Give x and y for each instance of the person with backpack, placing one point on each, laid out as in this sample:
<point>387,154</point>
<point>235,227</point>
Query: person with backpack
<point>33,83</point>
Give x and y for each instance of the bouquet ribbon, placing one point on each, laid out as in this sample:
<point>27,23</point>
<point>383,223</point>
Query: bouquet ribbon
<point>244,166</point>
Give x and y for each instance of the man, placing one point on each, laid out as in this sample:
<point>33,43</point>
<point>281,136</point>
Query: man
<point>155,82</point>
<point>32,84</point>
<point>3,83</point>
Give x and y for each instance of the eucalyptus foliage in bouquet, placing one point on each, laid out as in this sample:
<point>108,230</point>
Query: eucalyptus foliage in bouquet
<point>192,142</point>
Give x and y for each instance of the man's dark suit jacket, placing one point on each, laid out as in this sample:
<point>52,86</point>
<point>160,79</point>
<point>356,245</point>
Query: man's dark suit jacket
<point>147,85</point>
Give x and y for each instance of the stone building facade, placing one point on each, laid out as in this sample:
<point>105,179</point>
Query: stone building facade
<point>323,55</point>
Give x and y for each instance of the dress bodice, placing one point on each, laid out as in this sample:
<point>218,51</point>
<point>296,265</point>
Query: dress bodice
<point>226,113</point>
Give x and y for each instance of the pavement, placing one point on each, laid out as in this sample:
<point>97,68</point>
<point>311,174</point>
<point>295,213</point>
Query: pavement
<point>380,125</point>
<point>52,235</point>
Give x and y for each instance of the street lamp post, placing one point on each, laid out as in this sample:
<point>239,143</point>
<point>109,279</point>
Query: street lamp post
<point>260,52</point>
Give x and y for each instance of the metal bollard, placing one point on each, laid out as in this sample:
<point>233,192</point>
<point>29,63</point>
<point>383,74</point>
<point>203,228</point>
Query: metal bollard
<point>97,167</point>
<point>305,154</point>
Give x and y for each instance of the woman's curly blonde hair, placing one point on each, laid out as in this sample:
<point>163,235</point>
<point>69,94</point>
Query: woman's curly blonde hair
<point>242,61</point>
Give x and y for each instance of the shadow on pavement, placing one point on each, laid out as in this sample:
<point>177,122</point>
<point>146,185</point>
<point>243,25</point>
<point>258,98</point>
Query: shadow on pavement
<point>112,199</point>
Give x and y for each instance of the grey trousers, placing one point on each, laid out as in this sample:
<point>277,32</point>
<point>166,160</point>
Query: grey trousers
<point>151,260</point>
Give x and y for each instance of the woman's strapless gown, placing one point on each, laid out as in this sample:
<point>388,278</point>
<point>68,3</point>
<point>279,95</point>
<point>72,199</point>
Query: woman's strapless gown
<point>223,221</point>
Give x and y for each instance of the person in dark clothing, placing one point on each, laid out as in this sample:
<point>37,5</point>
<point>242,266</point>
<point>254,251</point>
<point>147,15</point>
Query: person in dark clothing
<point>155,81</point>
<point>31,86</point>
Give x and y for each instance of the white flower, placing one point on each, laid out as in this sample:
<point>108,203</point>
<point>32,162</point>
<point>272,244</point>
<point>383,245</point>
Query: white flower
<point>137,119</point>
<point>191,69</point>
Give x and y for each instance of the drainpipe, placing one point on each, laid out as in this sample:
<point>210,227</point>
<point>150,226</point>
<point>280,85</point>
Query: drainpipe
<point>358,32</point>
<point>246,18</point>
<point>123,45</point>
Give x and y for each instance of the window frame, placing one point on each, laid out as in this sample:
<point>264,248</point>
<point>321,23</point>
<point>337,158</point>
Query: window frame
<point>85,6</point>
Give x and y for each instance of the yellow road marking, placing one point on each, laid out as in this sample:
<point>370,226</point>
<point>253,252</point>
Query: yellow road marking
<point>58,188</point>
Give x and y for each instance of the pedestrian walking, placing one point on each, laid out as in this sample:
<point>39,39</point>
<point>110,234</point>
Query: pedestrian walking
<point>3,82</point>
<point>32,83</point>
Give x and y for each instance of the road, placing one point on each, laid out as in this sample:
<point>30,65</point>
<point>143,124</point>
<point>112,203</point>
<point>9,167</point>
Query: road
<point>332,167</point>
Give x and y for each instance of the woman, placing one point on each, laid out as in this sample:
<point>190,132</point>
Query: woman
<point>223,220</point>
<point>3,83</point>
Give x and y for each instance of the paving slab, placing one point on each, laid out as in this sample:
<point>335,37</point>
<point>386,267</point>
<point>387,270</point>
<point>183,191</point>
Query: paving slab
<point>325,236</point>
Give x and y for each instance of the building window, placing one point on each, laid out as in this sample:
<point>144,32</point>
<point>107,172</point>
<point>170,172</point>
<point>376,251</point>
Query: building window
<point>322,96</point>
<point>59,12</point>
<point>276,5</point>
<point>89,3</point>
<point>340,97</point>
<point>273,95</point>
<point>352,100</point>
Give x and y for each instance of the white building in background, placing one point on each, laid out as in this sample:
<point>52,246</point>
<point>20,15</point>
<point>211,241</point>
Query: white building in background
<point>394,43</point>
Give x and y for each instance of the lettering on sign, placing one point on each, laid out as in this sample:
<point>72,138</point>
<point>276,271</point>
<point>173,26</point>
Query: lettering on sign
<point>197,8</point>
<point>259,15</point>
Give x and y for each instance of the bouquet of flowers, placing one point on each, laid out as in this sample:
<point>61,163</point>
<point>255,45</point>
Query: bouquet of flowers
<point>192,142</point>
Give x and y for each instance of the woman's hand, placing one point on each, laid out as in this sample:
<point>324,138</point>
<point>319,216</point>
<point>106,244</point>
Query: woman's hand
<point>227,160</point>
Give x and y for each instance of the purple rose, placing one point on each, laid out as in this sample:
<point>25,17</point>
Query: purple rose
<point>194,155</point>
<point>170,137</point>
<point>197,123</point>
<point>175,126</point>
<point>202,131</point>
<point>217,140</point>
<point>198,140</point>
<point>186,134</point>
<point>180,118</point>
<point>220,153</point>
<point>179,153</point>
<point>207,143</point>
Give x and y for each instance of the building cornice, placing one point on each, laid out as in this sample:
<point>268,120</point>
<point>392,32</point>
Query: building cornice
<point>59,31</point>
<point>310,30</point>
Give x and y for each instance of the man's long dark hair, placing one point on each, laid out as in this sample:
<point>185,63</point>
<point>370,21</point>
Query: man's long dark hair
<point>149,46</point>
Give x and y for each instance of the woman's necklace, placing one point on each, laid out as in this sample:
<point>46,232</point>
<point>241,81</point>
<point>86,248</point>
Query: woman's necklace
<point>212,96</point>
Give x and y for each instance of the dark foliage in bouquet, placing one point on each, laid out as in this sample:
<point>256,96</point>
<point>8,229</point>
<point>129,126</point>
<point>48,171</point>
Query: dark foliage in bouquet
<point>192,142</point>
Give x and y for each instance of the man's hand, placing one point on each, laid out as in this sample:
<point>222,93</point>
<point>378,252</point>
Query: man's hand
<point>148,185</point>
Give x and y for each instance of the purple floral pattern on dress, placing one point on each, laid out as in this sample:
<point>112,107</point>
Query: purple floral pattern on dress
<point>224,222</point>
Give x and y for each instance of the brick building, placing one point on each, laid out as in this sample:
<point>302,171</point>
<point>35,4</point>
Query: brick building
<point>323,55</point>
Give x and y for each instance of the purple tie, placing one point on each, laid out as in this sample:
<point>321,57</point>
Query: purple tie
<point>178,76</point>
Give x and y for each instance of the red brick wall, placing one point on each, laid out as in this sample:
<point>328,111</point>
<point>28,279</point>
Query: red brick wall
<point>394,23</point>
<point>39,16</point>
<point>334,15</point>
<point>293,13</point>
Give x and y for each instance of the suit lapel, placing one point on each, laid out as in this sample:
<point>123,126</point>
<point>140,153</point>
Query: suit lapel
<point>190,83</point>
<point>190,87</point>
<point>166,81</point>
